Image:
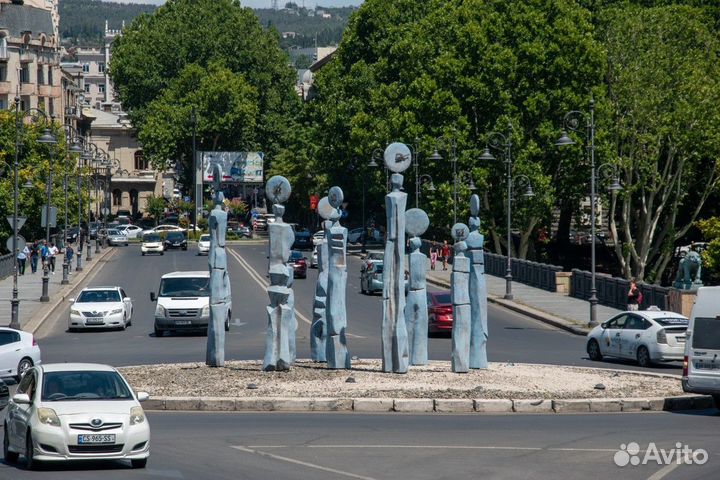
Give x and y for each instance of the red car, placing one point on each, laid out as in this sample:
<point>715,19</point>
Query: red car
<point>299,264</point>
<point>440,314</point>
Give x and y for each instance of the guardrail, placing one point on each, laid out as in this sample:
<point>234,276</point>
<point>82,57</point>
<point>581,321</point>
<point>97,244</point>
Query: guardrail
<point>538,275</point>
<point>612,291</point>
<point>6,265</point>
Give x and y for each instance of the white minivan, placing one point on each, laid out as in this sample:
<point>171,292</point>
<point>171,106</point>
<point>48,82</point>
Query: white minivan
<point>701,366</point>
<point>183,302</point>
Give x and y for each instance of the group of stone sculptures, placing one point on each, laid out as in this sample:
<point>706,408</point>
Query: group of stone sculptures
<point>405,319</point>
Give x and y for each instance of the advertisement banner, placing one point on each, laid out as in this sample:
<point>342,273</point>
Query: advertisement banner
<point>237,167</point>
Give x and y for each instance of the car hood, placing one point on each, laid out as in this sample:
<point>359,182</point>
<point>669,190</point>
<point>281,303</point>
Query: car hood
<point>184,302</point>
<point>204,244</point>
<point>86,410</point>
<point>97,307</point>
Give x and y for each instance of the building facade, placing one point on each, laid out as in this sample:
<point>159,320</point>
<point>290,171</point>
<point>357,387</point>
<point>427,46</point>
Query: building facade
<point>98,89</point>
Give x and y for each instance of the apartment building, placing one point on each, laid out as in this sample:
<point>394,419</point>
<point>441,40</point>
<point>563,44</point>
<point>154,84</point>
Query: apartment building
<point>98,89</point>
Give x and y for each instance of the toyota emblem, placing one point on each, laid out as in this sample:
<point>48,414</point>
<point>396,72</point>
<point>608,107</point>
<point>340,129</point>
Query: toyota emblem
<point>96,422</point>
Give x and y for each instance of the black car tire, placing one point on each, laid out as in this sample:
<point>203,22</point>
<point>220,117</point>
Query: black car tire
<point>30,462</point>
<point>716,399</point>
<point>23,365</point>
<point>227,324</point>
<point>138,462</point>
<point>159,332</point>
<point>10,457</point>
<point>162,253</point>
<point>127,244</point>
<point>184,248</point>
<point>643,357</point>
<point>143,254</point>
<point>593,350</point>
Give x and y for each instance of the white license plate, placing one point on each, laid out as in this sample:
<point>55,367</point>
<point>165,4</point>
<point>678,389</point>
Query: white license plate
<point>96,438</point>
<point>182,322</point>
<point>94,321</point>
<point>680,339</point>
<point>707,366</point>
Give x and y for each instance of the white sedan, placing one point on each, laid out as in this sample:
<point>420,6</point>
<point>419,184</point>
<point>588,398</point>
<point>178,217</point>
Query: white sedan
<point>101,307</point>
<point>76,411</point>
<point>163,229</point>
<point>646,336</point>
<point>204,244</point>
<point>18,352</point>
<point>132,231</point>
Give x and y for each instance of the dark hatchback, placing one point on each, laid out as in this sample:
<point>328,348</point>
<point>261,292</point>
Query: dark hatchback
<point>303,241</point>
<point>175,240</point>
<point>299,264</point>
<point>440,313</point>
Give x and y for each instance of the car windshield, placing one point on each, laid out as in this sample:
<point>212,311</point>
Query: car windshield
<point>376,256</point>
<point>151,238</point>
<point>296,255</point>
<point>114,232</point>
<point>442,298</point>
<point>84,385</point>
<point>175,236</point>
<point>707,333</point>
<point>672,321</point>
<point>185,287</point>
<point>204,238</point>
<point>98,296</point>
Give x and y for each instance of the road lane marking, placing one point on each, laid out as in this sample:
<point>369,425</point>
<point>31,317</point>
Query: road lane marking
<point>300,462</point>
<point>264,284</point>
<point>445,447</point>
<point>663,472</point>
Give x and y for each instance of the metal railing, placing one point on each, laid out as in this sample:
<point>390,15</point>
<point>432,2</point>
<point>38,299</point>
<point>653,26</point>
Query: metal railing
<point>6,265</point>
<point>538,275</point>
<point>612,291</point>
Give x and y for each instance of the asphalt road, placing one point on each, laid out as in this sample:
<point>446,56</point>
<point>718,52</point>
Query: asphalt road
<point>237,446</point>
<point>513,337</point>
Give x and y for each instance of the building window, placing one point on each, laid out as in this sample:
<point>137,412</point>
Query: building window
<point>24,74</point>
<point>3,72</point>
<point>51,110</point>
<point>24,103</point>
<point>3,48</point>
<point>117,198</point>
<point>141,163</point>
<point>87,88</point>
<point>86,67</point>
<point>50,75</point>
<point>101,88</point>
<point>3,102</point>
<point>40,75</point>
<point>101,67</point>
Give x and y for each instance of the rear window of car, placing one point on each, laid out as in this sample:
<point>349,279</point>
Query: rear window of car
<point>672,321</point>
<point>706,333</point>
<point>296,255</point>
<point>442,298</point>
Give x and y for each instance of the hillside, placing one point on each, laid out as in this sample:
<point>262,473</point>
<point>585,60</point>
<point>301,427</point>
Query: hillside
<point>82,22</point>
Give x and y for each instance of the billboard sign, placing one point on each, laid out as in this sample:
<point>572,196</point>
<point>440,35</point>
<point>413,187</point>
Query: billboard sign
<point>237,167</point>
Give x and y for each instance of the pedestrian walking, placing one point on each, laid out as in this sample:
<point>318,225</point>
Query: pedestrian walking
<point>433,256</point>
<point>22,258</point>
<point>445,253</point>
<point>634,296</point>
<point>34,256</point>
<point>52,252</point>
<point>44,253</point>
<point>69,256</point>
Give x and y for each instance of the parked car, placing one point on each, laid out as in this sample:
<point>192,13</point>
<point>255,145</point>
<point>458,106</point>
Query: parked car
<point>204,244</point>
<point>164,229</point>
<point>152,243</point>
<point>183,302</point>
<point>239,229</point>
<point>701,362</point>
<point>299,264</point>
<point>440,314</point>
<point>76,411</point>
<point>117,237</point>
<point>72,234</point>
<point>356,236</point>
<point>175,240</point>
<point>100,307</point>
<point>371,258</point>
<point>94,228</point>
<point>371,279</point>
<point>123,220</point>
<point>303,241</point>
<point>18,352</point>
<point>314,258</point>
<point>646,336</point>
<point>131,231</point>
<point>318,237</point>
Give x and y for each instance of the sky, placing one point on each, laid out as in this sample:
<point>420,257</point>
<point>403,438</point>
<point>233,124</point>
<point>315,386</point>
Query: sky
<point>264,3</point>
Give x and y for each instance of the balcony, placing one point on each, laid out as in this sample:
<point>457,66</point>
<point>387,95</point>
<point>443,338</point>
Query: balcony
<point>26,56</point>
<point>6,88</point>
<point>4,54</point>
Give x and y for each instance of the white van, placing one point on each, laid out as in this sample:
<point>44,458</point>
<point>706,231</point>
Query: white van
<point>701,366</point>
<point>183,302</point>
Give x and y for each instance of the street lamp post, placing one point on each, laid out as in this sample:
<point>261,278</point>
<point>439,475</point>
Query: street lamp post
<point>573,122</point>
<point>451,146</point>
<point>73,148</point>
<point>89,157</point>
<point>193,119</point>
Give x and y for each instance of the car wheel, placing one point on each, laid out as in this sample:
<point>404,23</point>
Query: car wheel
<point>127,244</point>
<point>716,399</point>
<point>23,365</point>
<point>643,357</point>
<point>162,253</point>
<point>30,461</point>
<point>138,462</point>
<point>593,350</point>
<point>227,324</point>
<point>159,332</point>
<point>124,325</point>
<point>10,457</point>
<point>143,254</point>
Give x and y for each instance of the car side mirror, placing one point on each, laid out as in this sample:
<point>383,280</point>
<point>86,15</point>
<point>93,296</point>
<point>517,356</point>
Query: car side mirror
<point>142,396</point>
<point>128,299</point>
<point>71,300</point>
<point>152,296</point>
<point>21,399</point>
<point>604,325</point>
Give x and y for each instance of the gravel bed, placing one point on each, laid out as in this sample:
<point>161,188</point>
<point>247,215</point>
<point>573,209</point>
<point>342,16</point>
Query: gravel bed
<point>309,379</point>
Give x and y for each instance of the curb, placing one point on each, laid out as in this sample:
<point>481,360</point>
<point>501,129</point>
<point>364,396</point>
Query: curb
<point>60,296</point>
<point>429,405</point>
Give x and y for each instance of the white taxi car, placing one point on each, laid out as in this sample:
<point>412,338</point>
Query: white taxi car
<point>100,307</point>
<point>646,336</point>
<point>204,244</point>
<point>152,243</point>
<point>76,411</point>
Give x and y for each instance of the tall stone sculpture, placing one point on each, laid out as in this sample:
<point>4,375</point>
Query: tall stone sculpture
<point>395,354</point>
<point>416,312</point>
<point>478,289</point>
<point>219,279</point>
<point>336,351</point>
<point>459,285</point>
<point>318,329</point>
<point>280,337</point>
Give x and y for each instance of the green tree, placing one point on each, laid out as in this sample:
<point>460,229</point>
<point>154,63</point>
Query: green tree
<point>155,207</point>
<point>663,83</point>
<point>236,207</point>
<point>710,229</point>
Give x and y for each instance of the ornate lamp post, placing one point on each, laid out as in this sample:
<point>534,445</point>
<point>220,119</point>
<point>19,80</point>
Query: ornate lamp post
<point>88,158</point>
<point>503,144</point>
<point>74,147</point>
<point>451,146</point>
<point>573,122</point>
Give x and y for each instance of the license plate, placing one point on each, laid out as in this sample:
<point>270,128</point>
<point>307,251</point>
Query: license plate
<point>707,366</point>
<point>96,438</point>
<point>182,322</point>
<point>94,321</point>
<point>680,339</point>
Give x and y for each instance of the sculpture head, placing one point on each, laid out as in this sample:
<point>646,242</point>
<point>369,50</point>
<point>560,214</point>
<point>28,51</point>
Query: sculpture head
<point>218,197</point>
<point>278,189</point>
<point>396,182</point>
<point>474,221</point>
<point>415,244</point>
<point>279,211</point>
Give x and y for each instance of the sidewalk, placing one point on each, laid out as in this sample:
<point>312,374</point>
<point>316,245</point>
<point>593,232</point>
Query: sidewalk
<point>568,313</point>
<point>32,311</point>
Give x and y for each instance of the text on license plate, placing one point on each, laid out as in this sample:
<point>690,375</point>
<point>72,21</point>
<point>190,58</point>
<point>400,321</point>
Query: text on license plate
<point>94,320</point>
<point>707,366</point>
<point>96,438</point>
<point>182,322</point>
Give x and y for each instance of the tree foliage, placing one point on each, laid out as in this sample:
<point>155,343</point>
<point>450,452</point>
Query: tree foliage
<point>155,207</point>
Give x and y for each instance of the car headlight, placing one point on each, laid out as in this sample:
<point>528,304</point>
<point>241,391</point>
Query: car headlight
<point>75,312</point>
<point>136,415</point>
<point>160,311</point>
<point>116,311</point>
<point>205,311</point>
<point>47,416</point>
